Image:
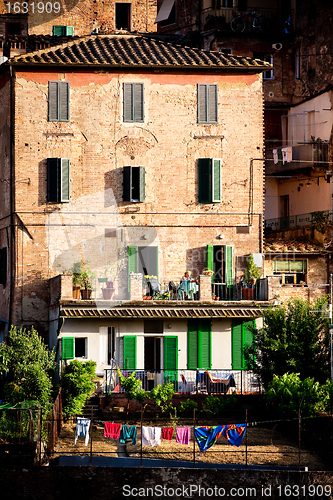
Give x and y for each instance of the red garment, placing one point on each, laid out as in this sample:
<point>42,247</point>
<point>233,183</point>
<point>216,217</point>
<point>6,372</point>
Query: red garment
<point>112,430</point>
<point>167,433</point>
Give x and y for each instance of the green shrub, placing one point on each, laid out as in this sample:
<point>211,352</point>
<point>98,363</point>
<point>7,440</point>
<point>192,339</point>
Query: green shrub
<point>188,405</point>
<point>217,405</point>
<point>162,393</point>
<point>76,386</point>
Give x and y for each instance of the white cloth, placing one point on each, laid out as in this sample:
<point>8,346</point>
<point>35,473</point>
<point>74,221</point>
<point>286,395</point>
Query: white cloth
<point>287,155</point>
<point>82,429</point>
<point>151,436</point>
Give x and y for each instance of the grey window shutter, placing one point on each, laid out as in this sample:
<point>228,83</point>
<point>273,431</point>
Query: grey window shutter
<point>53,179</point>
<point>142,184</point>
<point>3,266</point>
<point>127,171</point>
<point>53,101</point>
<point>202,103</point>
<point>63,101</point>
<point>216,180</point>
<point>205,180</point>
<point>128,102</point>
<point>64,180</point>
<point>138,102</point>
<point>212,104</point>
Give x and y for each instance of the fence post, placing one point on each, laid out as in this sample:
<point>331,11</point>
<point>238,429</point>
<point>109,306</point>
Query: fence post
<point>299,439</point>
<point>141,440</point>
<point>91,433</point>
<point>40,435</point>
<point>246,439</point>
<point>194,438</point>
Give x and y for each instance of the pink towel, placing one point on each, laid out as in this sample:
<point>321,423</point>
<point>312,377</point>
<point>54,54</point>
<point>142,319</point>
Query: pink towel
<point>112,430</point>
<point>167,433</point>
<point>183,435</point>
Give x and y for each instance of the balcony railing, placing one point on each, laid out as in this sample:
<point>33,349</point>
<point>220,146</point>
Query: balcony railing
<point>219,381</point>
<point>220,19</point>
<point>295,221</point>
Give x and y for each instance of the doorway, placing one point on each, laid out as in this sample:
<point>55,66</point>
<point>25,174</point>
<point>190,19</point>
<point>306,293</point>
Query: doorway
<point>152,357</point>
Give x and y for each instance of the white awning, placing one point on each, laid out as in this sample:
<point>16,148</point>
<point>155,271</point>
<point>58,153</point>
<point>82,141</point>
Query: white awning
<point>164,11</point>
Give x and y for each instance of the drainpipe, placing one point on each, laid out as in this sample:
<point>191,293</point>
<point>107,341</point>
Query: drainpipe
<point>12,199</point>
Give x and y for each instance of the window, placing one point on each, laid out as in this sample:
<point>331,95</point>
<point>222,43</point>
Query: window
<point>134,184</point>
<point>220,259</point>
<point>153,326</point>
<point>80,347</point>
<point>267,75</point>
<point>58,101</point>
<point>242,337</point>
<point>13,29</point>
<point>297,63</point>
<point>291,271</point>
<point>63,30</point>
<point>199,334</point>
<point>73,347</point>
<point>58,180</point>
<point>3,266</point>
<point>143,260</point>
<point>210,182</point>
<point>123,16</point>
<point>167,13</point>
<point>111,344</point>
<point>133,102</point>
<point>207,103</point>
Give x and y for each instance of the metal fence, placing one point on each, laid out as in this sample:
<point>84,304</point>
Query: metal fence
<point>221,381</point>
<point>295,221</point>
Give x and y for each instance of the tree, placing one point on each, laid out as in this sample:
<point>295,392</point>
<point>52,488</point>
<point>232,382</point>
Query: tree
<point>29,365</point>
<point>76,386</point>
<point>294,339</point>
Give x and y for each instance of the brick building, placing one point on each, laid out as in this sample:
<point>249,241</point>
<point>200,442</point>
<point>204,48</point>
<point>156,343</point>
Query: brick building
<point>131,156</point>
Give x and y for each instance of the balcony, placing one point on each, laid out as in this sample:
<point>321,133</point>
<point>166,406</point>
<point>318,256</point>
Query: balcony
<point>301,156</point>
<point>269,22</point>
<point>297,221</point>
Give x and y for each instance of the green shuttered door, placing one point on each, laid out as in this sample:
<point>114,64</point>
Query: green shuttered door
<point>242,337</point>
<point>199,344</point>
<point>192,344</point>
<point>129,352</point>
<point>170,353</point>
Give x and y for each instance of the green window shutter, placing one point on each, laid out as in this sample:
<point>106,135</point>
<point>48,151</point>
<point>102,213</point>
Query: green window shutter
<point>210,259</point>
<point>204,344</point>
<point>53,101</point>
<point>67,344</point>
<point>138,102</point>
<point>59,30</point>
<point>228,264</point>
<point>127,102</point>
<point>69,30</point>
<point>192,344</point>
<point>170,353</point>
<point>129,352</point>
<point>247,339</point>
<point>63,100</point>
<point>64,180</point>
<point>216,181</point>
<point>127,183</point>
<point>237,345</point>
<point>132,263</point>
<point>212,104</point>
<point>3,266</point>
<point>205,180</point>
<point>142,183</point>
<point>202,103</point>
<point>52,179</point>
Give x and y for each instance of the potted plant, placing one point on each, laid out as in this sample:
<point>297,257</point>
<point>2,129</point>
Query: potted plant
<point>76,272</point>
<point>85,280</point>
<point>251,275</point>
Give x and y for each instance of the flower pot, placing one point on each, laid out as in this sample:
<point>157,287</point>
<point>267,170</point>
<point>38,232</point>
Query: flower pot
<point>217,298</point>
<point>108,293</point>
<point>86,293</point>
<point>248,293</point>
<point>76,292</point>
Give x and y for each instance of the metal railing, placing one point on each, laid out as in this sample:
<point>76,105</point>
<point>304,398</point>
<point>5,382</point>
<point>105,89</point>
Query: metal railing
<point>220,381</point>
<point>220,19</point>
<point>295,221</point>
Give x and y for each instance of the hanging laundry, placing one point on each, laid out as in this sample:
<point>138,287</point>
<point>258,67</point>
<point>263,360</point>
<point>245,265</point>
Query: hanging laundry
<point>277,156</point>
<point>112,430</point>
<point>167,433</point>
<point>127,433</point>
<point>208,435</point>
<point>183,435</point>
<point>151,436</point>
<point>82,429</point>
<point>287,155</point>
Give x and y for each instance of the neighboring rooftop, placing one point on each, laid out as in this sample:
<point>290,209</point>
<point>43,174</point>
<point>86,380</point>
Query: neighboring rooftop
<point>283,246</point>
<point>135,50</point>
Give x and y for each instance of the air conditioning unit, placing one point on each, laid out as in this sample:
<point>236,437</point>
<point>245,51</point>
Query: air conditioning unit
<point>277,46</point>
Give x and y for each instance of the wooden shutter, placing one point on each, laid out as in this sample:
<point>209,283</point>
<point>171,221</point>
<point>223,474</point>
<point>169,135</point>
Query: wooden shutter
<point>205,180</point>
<point>202,103</point>
<point>192,344</point>
<point>210,259</point>
<point>138,102</point>
<point>212,104</point>
<point>128,102</point>
<point>247,339</point>
<point>67,344</point>
<point>170,353</point>
<point>69,30</point>
<point>53,101</point>
<point>129,352</point>
<point>216,180</point>
<point>127,183</point>
<point>3,266</point>
<point>228,265</point>
<point>237,361</point>
<point>132,263</point>
<point>64,180</point>
<point>63,100</point>
<point>204,344</point>
<point>59,30</point>
<point>142,181</point>
<point>53,178</point>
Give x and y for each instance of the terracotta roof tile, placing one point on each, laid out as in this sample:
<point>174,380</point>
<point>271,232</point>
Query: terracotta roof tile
<point>134,50</point>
